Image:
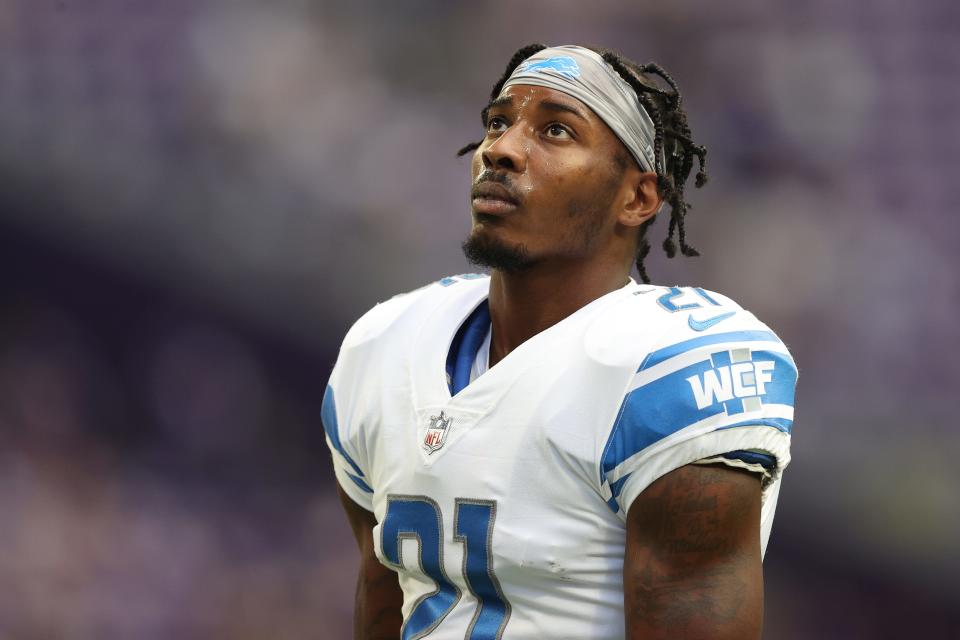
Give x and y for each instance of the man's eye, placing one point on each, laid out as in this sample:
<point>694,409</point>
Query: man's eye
<point>558,131</point>
<point>496,123</point>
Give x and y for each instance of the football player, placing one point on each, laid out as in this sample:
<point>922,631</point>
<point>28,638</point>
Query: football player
<point>556,450</point>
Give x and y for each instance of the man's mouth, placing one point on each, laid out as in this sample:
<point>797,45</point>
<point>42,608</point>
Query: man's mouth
<point>493,198</point>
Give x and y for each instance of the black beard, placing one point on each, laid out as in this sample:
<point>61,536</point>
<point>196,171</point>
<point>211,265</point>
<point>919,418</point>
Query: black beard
<point>484,252</point>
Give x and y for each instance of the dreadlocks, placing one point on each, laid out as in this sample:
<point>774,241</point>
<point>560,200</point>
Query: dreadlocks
<point>673,147</point>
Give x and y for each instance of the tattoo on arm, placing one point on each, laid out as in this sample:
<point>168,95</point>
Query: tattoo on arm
<point>692,566</point>
<point>376,614</point>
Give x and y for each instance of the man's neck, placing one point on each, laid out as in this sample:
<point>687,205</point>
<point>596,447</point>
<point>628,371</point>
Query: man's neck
<point>524,304</point>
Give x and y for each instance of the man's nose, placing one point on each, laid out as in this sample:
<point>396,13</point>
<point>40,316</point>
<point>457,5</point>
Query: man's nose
<point>508,151</point>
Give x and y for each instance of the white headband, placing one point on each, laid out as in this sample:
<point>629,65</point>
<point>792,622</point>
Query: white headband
<point>586,76</point>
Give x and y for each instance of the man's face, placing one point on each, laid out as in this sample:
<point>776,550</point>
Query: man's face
<point>545,180</point>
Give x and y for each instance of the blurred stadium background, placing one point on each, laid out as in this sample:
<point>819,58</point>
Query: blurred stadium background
<point>198,197</point>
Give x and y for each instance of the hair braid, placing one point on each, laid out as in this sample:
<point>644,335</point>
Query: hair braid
<point>658,147</point>
<point>675,97</point>
<point>672,139</point>
<point>669,246</point>
<point>698,150</point>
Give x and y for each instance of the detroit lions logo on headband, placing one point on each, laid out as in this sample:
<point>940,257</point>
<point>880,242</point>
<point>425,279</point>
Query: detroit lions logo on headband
<point>564,65</point>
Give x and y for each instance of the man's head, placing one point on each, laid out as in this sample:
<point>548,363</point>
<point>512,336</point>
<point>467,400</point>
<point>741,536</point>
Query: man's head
<point>581,149</point>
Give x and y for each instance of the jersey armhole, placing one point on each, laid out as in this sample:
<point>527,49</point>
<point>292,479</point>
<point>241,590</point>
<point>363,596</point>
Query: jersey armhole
<point>759,463</point>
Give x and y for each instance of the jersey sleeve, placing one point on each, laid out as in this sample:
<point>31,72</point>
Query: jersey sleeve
<point>351,402</point>
<point>726,389</point>
<point>349,463</point>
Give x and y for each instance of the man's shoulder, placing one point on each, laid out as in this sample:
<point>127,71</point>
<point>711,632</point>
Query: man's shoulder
<point>698,316</point>
<point>405,312</point>
<point>654,318</point>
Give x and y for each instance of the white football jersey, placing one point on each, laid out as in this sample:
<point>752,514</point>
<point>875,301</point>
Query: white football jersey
<point>502,507</point>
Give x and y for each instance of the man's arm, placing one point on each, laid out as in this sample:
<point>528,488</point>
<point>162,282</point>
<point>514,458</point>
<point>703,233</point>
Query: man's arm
<point>692,567</point>
<point>376,614</point>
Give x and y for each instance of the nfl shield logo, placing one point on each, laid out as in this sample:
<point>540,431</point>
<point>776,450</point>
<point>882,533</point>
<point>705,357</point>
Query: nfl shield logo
<point>436,433</point>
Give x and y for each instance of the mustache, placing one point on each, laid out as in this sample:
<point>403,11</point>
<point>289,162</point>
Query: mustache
<point>488,176</point>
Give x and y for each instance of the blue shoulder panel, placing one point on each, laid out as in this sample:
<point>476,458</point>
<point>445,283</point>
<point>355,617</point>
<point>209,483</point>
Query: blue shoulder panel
<point>724,382</point>
<point>328,415</point>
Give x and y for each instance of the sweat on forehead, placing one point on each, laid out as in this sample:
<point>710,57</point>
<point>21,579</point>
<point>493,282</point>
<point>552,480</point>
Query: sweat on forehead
<point>584,75</point>
<point>506,100</point>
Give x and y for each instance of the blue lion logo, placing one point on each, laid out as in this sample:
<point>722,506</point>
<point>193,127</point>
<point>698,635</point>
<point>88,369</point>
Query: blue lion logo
<point>564,65</point>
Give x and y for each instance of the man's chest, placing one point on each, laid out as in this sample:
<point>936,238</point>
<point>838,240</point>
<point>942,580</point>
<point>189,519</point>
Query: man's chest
<point>509,490</point>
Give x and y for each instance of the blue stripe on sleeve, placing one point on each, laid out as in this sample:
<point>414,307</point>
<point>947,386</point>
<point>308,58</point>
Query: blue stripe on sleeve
<point>698,391</point>
<point>328,415</point>
<point>656,357</point>
<point>360,483</point>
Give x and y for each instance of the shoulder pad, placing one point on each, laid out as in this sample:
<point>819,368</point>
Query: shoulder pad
<point>654,316</point>
<point>625,332</point>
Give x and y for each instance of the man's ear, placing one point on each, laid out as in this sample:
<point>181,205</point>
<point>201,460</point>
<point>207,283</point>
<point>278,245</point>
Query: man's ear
<point>641,199</point>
